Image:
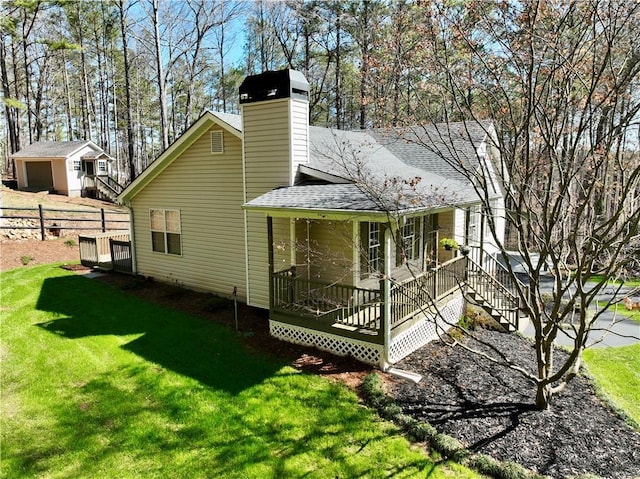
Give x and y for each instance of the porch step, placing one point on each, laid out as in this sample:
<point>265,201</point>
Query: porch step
<point>496,314</point>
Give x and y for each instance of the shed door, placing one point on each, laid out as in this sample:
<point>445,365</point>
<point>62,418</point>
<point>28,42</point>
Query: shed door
<point>39,174</point>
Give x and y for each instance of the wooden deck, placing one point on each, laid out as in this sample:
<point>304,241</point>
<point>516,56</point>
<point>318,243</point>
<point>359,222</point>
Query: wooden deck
<point>360,313</point>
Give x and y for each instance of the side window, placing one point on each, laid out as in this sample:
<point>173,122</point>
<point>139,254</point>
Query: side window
<point>473,227</point>
<point>166,236</point>
<point>371,235</point>
<point>77,165</point>
<point>408,247</point>
<point>374,248</point>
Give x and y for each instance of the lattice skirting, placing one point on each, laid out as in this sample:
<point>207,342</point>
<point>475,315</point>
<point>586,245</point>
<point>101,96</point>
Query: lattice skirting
<point>362,351</point>
<point>426,330</point>
<point>401,346</point>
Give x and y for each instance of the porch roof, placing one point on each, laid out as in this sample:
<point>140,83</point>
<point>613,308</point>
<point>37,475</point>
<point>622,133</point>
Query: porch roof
<point>348,198</point>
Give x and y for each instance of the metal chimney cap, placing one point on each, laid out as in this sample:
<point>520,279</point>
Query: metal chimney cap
<point>272,85</point>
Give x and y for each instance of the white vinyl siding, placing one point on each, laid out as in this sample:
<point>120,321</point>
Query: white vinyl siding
<point>275,137</point>
<point>208,192</point>
<point>299,134</point>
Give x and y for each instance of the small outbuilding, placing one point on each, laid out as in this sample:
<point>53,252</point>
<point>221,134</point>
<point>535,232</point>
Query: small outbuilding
<point>71,168</point>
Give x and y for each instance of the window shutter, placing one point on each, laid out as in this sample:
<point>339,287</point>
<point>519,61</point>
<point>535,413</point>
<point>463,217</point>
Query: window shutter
<point>217,145</point>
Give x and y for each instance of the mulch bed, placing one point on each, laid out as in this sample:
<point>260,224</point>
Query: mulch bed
<point>488,408</point>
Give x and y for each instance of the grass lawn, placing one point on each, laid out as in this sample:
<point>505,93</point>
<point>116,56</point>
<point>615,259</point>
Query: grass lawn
<point>632,283</point>
<point>96,383</point>
<point>617,373</point>
<point>621,310</point>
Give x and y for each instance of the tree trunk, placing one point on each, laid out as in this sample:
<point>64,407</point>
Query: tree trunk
<point>543,395</point>
<point>127,83</point>
<point>162,94</point>
<point>67,98</point>
<point>10,112</point>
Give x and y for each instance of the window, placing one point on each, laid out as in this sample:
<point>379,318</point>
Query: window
<point>216,138</point>
<point>77,165</point>
<point>373,253</point>
<point>473,225</point>
<point>409,239</point>
<point>102,166</point>
<point>165,231</point>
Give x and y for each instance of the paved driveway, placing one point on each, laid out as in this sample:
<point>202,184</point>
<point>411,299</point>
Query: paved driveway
<point>610,329</point>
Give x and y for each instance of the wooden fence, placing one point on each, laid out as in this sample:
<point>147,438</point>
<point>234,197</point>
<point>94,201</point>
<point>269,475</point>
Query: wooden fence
<point>54,221</point>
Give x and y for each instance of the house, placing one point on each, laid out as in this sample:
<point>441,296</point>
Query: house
<point>336,233</point>
<point>71,168</point>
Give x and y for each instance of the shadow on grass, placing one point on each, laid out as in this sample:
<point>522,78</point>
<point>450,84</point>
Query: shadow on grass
<point>114,386</point>
<point>205,351</point>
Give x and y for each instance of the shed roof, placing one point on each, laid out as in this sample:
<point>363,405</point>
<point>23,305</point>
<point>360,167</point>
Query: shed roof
<point>54,149</point>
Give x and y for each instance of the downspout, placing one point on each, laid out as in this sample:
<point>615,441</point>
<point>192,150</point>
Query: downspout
<point>270,257</point>
<point>134,262</point>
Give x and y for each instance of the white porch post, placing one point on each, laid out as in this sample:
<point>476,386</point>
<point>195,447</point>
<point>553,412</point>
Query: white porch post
<point>386,299</point>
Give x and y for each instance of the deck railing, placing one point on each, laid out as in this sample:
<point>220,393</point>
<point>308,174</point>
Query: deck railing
<point>121,258</point>
<point>359,308</point>
<point>494,284</point>
<point>336,303</point>
<point>95,250</point>
<point>418,294</point>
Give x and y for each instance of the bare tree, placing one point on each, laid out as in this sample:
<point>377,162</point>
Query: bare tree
<point>130,135</point>
<point>558,79</point>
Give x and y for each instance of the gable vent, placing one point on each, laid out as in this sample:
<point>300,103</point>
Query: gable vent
<point>217,145</point>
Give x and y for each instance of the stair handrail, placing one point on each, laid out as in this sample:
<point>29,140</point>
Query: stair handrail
<point>507,303</point>
<point>478,268</point>
<point>111,184</point>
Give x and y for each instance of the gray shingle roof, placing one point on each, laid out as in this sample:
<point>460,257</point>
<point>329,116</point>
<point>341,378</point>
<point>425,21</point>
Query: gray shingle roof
<point>360,198</point>
<point>386,171</point>
<point>52,149</point>
<point>316,197</point>
<point>436,148</point>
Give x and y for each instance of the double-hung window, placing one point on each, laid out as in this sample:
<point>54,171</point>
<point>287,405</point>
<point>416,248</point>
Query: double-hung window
<point>165,231</point>
<point>473,225</point>
<point>409,239</point>
<point>373,253</point>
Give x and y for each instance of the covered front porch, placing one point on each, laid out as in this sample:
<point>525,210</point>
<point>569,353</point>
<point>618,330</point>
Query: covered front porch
<point>369,287</point>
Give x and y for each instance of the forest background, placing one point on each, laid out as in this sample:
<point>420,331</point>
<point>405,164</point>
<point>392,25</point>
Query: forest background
<point>132,75</point>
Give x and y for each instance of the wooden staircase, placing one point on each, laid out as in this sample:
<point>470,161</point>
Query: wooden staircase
<point>490,287</point>
<point>108,188</point>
